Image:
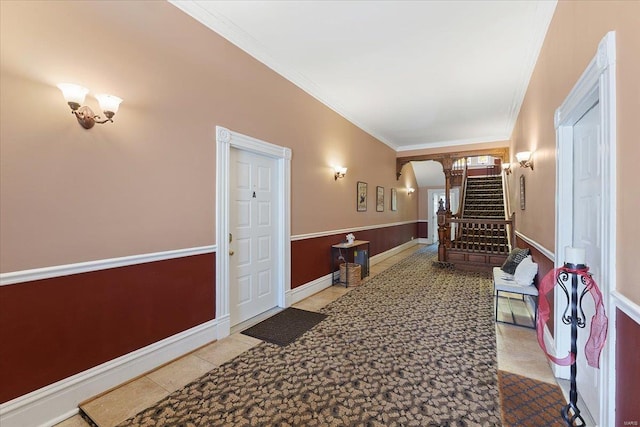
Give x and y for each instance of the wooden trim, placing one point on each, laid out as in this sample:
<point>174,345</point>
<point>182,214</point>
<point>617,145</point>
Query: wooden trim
<point>449,158</point>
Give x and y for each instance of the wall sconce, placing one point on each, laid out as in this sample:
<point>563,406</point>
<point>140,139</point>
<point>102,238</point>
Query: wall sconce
<point>74,95</point>
<point>410,190</point>
<point>341,171</point>
<point>506,167</point>
<point>525,160</point>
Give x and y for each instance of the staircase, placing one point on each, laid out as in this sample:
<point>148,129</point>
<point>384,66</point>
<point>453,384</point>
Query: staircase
<point>481,239</point>
<point>484,198</point>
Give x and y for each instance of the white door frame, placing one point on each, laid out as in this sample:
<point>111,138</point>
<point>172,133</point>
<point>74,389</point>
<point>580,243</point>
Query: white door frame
<point>225,140</point>
<point>597,84</point>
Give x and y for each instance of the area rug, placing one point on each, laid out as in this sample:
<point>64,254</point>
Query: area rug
<point>286,326</point>
<point>413,346</point>
<point>530,403</point>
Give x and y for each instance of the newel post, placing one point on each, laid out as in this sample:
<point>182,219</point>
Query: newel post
<point>442,231</point>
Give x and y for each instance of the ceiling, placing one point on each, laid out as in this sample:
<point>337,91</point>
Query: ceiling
<point>414,74</point>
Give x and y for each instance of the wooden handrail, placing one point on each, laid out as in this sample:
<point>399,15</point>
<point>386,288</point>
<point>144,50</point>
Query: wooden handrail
<point>463,195</point>
<point>463,188</point>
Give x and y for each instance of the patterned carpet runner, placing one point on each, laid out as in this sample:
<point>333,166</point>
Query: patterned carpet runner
<point>413,346</point>
<point>530,403</point>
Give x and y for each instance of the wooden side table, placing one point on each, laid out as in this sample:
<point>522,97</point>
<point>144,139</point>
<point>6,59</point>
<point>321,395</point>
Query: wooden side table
<point>356,252</point>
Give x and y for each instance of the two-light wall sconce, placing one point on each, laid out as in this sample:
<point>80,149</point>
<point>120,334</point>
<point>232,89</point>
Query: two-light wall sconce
<point>340,172</point>
<point>525,159</point>
<point>75,94</point>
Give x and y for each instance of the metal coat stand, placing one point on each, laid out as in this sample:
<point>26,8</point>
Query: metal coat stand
<point>570,412</point>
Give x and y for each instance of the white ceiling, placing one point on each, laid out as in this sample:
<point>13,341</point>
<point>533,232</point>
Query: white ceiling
<point>414,74</point>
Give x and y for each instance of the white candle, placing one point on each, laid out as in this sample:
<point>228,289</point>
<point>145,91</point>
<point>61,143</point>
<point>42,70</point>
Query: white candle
<point>574,256</point>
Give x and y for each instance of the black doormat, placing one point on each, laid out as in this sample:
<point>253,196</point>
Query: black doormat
<point>285,327</point>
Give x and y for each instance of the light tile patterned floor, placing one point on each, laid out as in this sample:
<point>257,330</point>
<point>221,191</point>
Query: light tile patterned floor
<point>518,352</point>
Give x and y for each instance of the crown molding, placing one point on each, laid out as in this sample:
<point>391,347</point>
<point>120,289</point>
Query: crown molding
<point>234,34</point>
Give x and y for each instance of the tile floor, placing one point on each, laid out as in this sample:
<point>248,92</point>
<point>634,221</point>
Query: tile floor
<point>518,352</point>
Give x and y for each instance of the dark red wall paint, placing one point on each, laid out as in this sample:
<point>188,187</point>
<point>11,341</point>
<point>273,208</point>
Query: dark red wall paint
<point>311,258</point>
<point>544,266</point>
<point>54,328</point>
<point>628,370</point>
<point>423,230</point>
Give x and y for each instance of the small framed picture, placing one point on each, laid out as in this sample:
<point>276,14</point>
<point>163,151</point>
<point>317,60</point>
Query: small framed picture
<point>361,196</point>
<point>522,193</point>
<point>379,199</point>
<point>394,199</point>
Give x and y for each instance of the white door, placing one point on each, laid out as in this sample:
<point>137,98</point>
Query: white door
<point>587,234</point>
<point>433,203</point>
<point>434,215</point>
<point>253,226</point>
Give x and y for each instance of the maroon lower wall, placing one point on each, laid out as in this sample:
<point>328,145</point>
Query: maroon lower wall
<point>544,266</point>
<point>423,230</point>
<point>627,370</point>
<point>54,328</point>
<point>307,255</point>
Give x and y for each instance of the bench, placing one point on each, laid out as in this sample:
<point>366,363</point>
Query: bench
<point>504,282</point>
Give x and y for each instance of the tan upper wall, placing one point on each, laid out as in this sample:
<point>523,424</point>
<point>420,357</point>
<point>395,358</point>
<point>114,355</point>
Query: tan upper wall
<point>147,182</point>
<point>571,42</point>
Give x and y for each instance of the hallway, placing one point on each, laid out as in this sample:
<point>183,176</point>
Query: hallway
<point>518,352</point>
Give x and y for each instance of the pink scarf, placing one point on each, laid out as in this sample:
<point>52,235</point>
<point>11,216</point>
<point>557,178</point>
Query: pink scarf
<point>598,335</point>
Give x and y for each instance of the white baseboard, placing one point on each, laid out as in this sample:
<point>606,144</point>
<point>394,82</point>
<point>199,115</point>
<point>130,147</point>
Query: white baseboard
<point>58,401</point>
<point>391,252</point>
<point>310,288</point>
<point>424,241</point>
<point>224,326</point>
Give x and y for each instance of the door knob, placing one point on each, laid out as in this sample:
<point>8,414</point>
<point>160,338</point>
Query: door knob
<point>231,252</point>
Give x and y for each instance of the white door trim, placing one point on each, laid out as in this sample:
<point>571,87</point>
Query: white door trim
<point>225,139</point>
<point>597,84</point>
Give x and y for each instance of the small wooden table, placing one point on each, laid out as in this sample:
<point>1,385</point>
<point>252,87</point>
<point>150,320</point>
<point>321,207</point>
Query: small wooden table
<point>356,252</point>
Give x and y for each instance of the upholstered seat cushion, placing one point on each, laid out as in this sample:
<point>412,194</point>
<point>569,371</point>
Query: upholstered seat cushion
<point>504,282</point>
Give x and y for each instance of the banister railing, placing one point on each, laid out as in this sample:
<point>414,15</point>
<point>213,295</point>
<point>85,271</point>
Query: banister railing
<point>506,198</point>
<point>483,235</point>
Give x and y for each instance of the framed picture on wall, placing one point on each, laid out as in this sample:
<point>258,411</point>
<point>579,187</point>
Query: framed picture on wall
<point>380,199</point>
<point>361,196</point>
<point>394,199</point>
<point>522,193</point>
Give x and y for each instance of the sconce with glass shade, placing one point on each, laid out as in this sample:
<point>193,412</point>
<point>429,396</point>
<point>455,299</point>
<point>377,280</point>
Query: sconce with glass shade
<point>410,190</point>
<point>525,160</point>
<point>341,171</point>
<point>75,95</point>
<point>506,167</point>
